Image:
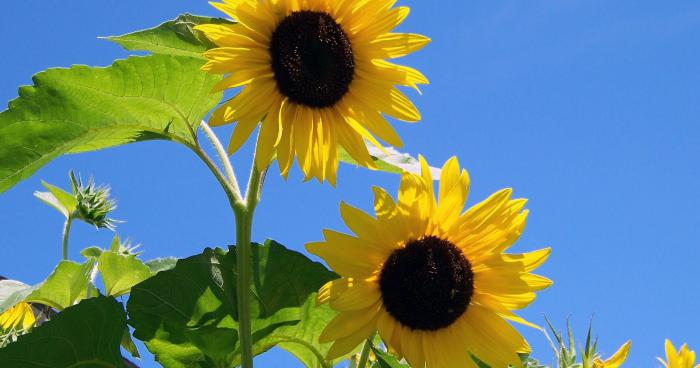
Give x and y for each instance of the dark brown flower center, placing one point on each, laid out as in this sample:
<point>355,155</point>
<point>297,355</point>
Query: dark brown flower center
<point>312,59</point>
<point>427,285</point>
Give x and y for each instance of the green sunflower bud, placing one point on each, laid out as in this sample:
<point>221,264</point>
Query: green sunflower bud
<point>88,202</point>
<point>93,202</point>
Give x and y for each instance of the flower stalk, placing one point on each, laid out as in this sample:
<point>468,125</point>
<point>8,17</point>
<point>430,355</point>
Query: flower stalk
<point>66,233</point>
<point>243,209</point>
<point>364,355</point>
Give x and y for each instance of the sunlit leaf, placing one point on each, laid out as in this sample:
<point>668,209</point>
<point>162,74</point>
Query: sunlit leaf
<point>85,335</point>
<point>187,316</point>
<point>121,272</point>
<point>174,37</point>
<point>84,109</point>
<point>66,285</point>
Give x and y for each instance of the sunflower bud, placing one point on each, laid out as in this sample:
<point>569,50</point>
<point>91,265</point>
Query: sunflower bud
<point>93,202</point>
<point>86,201</point>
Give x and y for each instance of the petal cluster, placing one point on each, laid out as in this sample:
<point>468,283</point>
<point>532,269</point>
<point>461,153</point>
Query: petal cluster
<point>681,358</point>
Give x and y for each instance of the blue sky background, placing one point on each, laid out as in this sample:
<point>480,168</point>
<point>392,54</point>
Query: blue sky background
<point>588,108</point>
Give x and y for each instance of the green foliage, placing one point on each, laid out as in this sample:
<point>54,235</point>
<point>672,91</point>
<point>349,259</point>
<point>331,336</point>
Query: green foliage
<point>161,264</point>
<point>66,285</point>
<point>187,316</point>
<point>62,201</point>
<point>302,339</point>
<point>121,272</point>
<point>84,109</point>
<point>12,292</point>
<point>174,37</point>
<point>386,360</point>
<point>87,202</point>
<point>85,335</point>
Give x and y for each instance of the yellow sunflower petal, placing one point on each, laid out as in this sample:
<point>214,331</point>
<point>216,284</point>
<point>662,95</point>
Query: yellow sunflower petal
<point>346,344</point>
<point>346,323</point>
<point>616,360</point>
<point>394,45</point>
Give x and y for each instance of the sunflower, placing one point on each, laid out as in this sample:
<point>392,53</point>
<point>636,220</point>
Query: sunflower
<point>314,74</point>
<point>683,358</point>
<point>19,317</point>
<point>433,280</point>
<point>616,360</point>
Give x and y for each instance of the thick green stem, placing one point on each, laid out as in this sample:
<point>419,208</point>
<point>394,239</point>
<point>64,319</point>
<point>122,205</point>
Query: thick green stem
<point>364,355</point>
<point>244,227</point>
<point>66,232</point>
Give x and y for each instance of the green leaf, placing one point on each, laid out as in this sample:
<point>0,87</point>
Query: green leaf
<point>62,201</point>
<point>120,272</point>
<point>174,37</point>
<point>302,339</point>
<point>64,287</point>
<point>187,315</point>
<point>12,292</point>
<point>92,252</point>
<point>86,335</point>
<point>385,360</point>
<point>390,160</point>
<point>84,109</point>
<point>161,264</point>
<point>65,199</point>
<point>128,344</point>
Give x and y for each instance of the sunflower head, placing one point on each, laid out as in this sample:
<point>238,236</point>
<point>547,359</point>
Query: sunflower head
<point>314,75</point>
<point>681,358</point>
<point>432,279</point>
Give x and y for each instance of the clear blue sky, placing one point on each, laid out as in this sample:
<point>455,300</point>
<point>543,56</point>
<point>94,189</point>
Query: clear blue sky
<point>588,108</point>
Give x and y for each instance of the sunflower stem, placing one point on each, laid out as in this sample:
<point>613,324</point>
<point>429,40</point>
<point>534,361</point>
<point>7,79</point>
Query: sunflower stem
<point>223,158</point>
<point>66,232</point>
<point>364,355</point>
<point>244,226</point>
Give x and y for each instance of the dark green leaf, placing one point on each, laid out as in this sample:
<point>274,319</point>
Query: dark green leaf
<point>174,37</point>
<point>128,344</point>
<point>84,109</point>
<point>86,335</point>
<point>187,316</point>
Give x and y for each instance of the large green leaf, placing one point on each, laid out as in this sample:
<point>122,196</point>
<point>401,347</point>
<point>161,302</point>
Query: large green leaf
<point>86,335</point>
<point>83,109</point>
<point>121,272</point>
<point>187,316</point>
<point>174,37</point>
